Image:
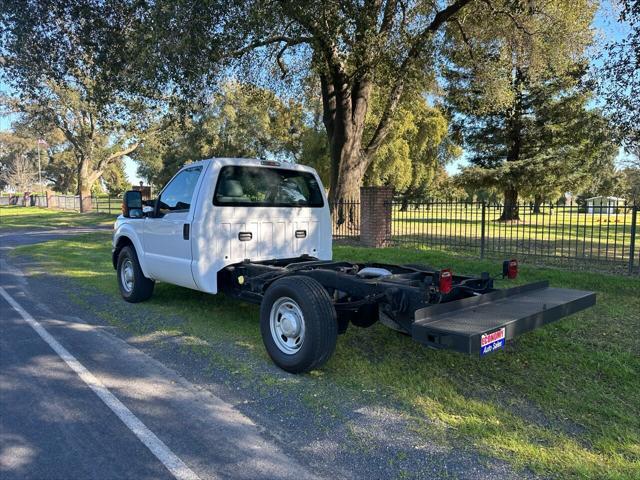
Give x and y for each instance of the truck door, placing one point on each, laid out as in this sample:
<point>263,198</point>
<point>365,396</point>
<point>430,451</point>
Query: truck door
<point>167,243</point>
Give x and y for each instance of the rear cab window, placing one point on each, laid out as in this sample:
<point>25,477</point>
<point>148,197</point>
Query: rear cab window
<point>266,187</point>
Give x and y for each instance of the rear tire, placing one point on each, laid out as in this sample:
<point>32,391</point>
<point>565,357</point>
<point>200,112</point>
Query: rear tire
<point>134,286</point>
<point>298,324</point>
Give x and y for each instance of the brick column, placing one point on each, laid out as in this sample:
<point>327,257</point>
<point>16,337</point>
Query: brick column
<point>375,216</point>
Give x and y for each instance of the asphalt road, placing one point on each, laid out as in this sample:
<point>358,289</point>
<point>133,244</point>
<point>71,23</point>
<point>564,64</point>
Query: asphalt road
<point>125,416</point>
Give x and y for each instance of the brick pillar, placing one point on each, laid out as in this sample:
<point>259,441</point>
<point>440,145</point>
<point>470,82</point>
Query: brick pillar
<point>375,216</point>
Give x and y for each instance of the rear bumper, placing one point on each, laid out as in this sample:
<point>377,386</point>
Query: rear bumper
<point>467,325</point>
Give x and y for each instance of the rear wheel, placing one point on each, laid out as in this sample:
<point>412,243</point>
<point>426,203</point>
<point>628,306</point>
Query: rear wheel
<point>134,286</point>
<point>298,324</point>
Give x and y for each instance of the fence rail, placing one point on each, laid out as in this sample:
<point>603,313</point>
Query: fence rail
<point>107,204</point>
<point>604,236</point>
<point>65,202</point>
<point>72,203</point>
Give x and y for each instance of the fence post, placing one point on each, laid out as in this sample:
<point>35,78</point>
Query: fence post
<point>632,244</point>
<point>482,229</point>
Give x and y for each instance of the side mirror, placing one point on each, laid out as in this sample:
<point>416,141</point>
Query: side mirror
<point>132,204</point>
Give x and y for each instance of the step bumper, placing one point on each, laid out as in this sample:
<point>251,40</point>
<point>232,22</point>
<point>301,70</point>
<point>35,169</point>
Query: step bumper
<point>483,324</point>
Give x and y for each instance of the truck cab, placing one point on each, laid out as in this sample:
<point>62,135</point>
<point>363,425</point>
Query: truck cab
<point>221,211</point>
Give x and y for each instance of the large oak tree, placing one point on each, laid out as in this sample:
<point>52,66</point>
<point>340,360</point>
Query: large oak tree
<point>53,54</point>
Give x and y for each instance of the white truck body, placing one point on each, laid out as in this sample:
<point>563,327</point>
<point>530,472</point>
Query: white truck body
<point>213,241</point>
<point>260,231</point>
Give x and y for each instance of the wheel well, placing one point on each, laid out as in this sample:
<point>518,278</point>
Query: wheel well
<point>122,242</point>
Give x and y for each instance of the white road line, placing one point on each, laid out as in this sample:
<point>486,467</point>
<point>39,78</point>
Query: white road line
<point>169,459</point>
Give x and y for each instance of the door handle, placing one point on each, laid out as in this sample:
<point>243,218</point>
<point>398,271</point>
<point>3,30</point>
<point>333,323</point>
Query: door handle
<point>245,236</point>
<point>301,233</point>
<point>185,231</point>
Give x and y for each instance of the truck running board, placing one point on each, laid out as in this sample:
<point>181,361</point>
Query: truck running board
<point>482,324</point>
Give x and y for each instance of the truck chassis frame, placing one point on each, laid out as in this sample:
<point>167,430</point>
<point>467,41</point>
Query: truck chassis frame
<point>408,298</point>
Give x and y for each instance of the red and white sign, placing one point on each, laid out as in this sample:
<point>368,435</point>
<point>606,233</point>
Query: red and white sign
<point>488,338</point>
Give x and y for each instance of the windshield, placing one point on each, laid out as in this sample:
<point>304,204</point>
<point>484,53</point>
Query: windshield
<point>267,187</point>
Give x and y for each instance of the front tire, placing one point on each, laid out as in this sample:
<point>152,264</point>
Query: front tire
<point>134,286</point>
<point>298,324</point>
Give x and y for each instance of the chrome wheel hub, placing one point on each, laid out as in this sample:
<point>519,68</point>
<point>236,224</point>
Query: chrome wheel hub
<point>286,322</point>
<point>126,275</point>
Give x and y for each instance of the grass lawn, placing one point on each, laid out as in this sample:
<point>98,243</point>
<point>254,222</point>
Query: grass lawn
<point>562,231</point>
<point>35,217</point>
<point>563,401</point>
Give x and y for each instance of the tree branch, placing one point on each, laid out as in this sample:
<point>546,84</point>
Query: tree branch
<point>507,13</point>
<point>328,104</point>
<point>387,16</point>
<point>397,90</point>
<point>289,41</point>
<point>102,164</point>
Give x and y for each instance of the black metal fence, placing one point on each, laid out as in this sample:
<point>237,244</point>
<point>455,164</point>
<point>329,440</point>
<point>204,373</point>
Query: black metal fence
<point>346,220</point>
<point>603,236</point>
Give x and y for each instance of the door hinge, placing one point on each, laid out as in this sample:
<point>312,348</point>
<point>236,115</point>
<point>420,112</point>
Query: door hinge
<point>185,231</point>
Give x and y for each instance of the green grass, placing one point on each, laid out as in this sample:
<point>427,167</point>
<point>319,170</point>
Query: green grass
<point>564,401</point>
<point>12,217</point>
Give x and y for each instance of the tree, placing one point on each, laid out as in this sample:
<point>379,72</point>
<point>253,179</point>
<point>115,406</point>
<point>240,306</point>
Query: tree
<point>568,148</point>
<point>241,120</point>
<point>630,184</point>
<point>618,78</point>
<point>500,77</point>
<point>352,46</point>
<point>418,146</point>
<point>94,140</point>
<point>18,161</point>
<point>181,48</point>
<point>56,67</point>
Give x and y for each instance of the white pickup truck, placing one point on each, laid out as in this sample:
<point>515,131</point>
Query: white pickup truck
<point>260,231</point>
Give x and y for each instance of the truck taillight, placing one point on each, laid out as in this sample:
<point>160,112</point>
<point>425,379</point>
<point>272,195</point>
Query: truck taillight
<point>510,268</point>
<point>446,281</point>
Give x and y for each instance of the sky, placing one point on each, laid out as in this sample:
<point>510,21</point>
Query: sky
<point>605,23</point>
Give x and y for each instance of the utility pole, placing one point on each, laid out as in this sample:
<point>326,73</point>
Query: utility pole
<point>40,142</point>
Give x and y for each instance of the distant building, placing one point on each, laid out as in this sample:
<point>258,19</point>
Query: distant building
<point>145,189</point>
<point>604,205</point>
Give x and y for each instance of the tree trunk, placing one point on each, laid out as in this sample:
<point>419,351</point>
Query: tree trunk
<point>345,128</point>
<point>86,179</point>
<point>537,203</point>
<point>514,125</point>
<point>405,203</point>
<point>510,209</point>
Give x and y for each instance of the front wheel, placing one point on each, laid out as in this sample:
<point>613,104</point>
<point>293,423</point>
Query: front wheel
<point>134,286</point>
<point>298,324</point>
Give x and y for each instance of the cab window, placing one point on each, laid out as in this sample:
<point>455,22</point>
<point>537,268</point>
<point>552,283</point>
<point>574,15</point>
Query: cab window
<point>177,195</point>
<point>266,187</point>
